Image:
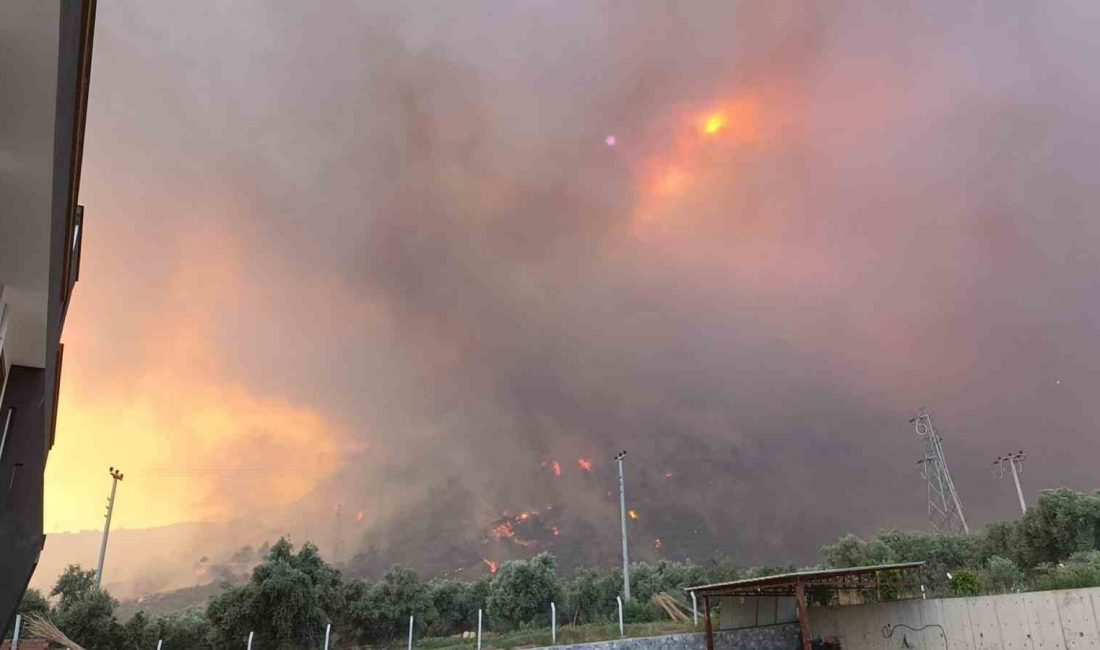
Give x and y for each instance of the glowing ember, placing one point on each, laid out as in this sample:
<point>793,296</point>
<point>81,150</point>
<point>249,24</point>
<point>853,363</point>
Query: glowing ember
<point>556,467</point>
<point>657,544</point>
<point>492,565</point>
<point>633,514</point>
<point>555,531</point>
<point>585,464</point>
<point>523,516</point>
<point>359,516</point>
<point>610,141</point>
<point>503,530</point>
<point>668,474</point>
<point>714,124</point>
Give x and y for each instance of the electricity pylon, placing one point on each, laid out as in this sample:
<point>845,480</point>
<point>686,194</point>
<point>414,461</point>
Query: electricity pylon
<point>945,513</point>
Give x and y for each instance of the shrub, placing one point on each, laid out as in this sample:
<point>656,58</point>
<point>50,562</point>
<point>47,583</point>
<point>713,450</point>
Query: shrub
<point>1001,575</point>
<point>964,583</point>
<point>1081,570</point>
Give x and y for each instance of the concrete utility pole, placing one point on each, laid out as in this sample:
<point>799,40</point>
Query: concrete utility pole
<point>1015,462</point>
<point>116,476</point>
<point>622,514</point>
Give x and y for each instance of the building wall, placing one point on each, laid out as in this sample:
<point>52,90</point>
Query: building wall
<point>21,465</point>
<point>1043,620</point>
<point>45,50</point>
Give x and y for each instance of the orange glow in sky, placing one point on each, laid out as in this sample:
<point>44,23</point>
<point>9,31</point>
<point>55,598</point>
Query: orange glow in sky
<point>194,442</point>
<point>699,154</point>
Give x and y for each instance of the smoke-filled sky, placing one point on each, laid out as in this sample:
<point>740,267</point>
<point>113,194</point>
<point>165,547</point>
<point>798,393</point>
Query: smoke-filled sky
<point>377,254</point>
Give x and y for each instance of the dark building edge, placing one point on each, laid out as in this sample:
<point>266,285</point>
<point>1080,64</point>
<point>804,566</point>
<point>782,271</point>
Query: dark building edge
<point>32,391</point>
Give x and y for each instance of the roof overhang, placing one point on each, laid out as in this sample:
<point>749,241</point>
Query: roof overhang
<point>786,584</point>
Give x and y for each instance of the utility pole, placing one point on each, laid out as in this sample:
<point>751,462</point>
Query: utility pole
<point>336,533</point>
<point>622,514</point>
<point>945,513</point>
<point>1015,462</point>
<point>116,476</point>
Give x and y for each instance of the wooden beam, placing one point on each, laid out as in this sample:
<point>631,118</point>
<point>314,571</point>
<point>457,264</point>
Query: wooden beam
<point>706,617</point>
<point>803,615</point>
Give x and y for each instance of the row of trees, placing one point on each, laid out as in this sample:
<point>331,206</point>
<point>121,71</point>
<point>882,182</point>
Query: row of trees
<point>1056,545</point>
<point>293,594</point>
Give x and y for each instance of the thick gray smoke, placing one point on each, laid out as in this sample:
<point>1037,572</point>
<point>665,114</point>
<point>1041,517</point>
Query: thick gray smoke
<point>450,257</point>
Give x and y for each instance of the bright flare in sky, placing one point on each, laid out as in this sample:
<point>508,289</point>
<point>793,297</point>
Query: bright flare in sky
<point>714,124</point>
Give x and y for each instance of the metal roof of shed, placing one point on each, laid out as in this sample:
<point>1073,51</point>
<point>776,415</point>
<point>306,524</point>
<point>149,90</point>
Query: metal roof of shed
<point>827,578</point>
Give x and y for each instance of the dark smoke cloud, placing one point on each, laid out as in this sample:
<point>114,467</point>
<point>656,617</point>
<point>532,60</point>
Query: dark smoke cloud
<point>442,246</point>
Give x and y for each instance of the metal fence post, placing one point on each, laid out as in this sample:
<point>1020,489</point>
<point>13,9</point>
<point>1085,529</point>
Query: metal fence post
<point>553,623</point>
<point>620,599</point>
<point>694,610</point>
<point>410,632</point>
<point>328,632</point>
<point>15,637</point>
<point>479,628</point>
<point>250,640</point>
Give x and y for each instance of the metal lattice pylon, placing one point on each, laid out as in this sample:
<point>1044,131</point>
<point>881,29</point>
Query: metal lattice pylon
<point>945,513</point>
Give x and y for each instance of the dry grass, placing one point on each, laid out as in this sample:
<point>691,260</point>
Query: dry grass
<point>40,628</point>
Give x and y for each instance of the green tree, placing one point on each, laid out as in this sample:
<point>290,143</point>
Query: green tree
<point>73,584</point>
<point>451,606</point>
<point>964,583</point>
<point>522,590</point>
<point>851,551</point>
<point>590,595</point>
<point>187,629</point>
<point>84,613</point>
<point>90,621</point>
<point>381,613</point>
<point>1061,523</point>
<point>287,602</point>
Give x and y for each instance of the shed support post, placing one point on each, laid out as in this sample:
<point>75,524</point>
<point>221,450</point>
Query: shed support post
<point>803,614</point>
<point>706,619</point>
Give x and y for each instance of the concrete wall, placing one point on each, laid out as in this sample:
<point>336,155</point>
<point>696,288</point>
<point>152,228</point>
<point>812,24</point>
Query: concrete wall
<point>1044,620</point>
<point>739,611</point>
<point>772,637</point>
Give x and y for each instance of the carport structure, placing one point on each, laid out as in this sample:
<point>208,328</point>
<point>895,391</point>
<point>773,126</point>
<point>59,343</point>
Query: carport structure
<point>861,584</point>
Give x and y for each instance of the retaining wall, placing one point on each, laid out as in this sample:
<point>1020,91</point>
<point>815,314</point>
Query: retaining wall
<point>772,637</point>
<point>1042,620</point>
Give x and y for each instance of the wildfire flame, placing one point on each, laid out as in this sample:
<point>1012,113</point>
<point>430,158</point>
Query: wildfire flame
<point>359,516</point>
<point>657,544</point>
<point>492,565</point>
<point>585,464</point>
<point>556,466</point>
<point>503,530</point>
<point>633,514</point>
<point>555,531</point>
